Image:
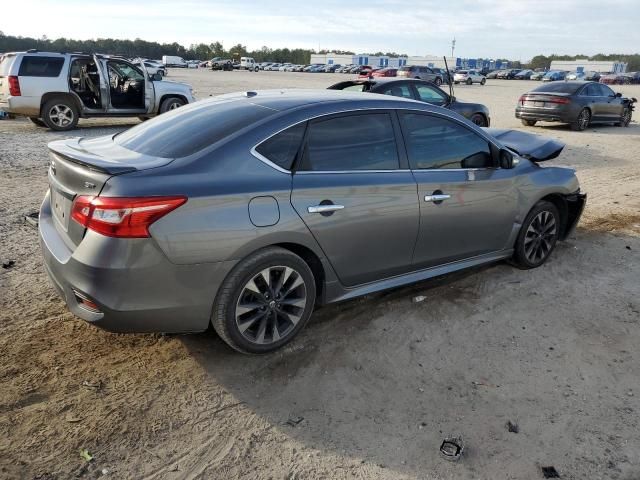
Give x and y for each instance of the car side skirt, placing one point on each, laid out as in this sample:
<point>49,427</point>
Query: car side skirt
<point>336,293</point>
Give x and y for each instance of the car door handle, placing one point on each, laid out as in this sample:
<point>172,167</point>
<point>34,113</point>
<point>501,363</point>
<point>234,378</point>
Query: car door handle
<point>439,197</point>
<point>324,208</point>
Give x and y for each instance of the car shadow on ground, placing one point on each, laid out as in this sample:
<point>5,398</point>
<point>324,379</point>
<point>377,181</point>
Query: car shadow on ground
<point>384,378</point>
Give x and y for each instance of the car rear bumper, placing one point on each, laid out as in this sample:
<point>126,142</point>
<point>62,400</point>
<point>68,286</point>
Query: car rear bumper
<point>545,114</point>
<point>29,106</point>
<point>133,284</point>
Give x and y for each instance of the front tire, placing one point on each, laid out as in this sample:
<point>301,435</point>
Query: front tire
<point>469,81</point>
<point>625,119</point>
<point>483,81</point>
<point>479,120</point>
<point>60,114</point>
<point>438,81</point>
<point>583,120</point>
<point>265,301</point>
<point>538,236</point>
<point>171,103</point>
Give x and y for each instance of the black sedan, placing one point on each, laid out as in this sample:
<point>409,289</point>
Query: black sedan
<point>420,90</point>
<point>577,103</point>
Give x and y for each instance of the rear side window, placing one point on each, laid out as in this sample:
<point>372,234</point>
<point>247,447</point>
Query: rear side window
<point>282,148</point>
<point>401,90</point>
<point>33,66</point>
<point>434,143</point>
<point>189,129</point>
<point>355,142</point>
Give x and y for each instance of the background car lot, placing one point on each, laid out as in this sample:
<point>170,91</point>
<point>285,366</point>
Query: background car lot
<point>552,350</point>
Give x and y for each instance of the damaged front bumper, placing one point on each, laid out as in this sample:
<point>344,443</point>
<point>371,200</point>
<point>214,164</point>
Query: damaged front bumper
<point>575,206</point>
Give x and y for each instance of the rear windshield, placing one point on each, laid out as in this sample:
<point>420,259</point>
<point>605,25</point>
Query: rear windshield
<point>189,129</point>
<point>37,66</point>
<point>558,87</point>
<point>463,72</point>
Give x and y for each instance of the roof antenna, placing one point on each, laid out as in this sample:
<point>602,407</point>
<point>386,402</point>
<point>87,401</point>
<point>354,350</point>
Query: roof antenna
<point>449,78</point>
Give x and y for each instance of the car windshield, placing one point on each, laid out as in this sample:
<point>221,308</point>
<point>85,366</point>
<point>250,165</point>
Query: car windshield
<point>560,87</point>
<point>189,129</point>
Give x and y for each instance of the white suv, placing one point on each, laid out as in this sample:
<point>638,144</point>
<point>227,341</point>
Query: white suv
<point>56,89</point>
<point>469,77</point>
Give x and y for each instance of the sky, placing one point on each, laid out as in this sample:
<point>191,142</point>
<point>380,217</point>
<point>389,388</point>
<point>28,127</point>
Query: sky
<point>514,29</point>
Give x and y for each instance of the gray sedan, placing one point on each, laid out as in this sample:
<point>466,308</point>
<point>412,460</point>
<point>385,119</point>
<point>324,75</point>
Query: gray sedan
<point>246,211</point>
<point>577,103</point>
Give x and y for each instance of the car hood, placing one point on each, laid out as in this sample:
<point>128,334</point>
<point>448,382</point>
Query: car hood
<point>528,145</point>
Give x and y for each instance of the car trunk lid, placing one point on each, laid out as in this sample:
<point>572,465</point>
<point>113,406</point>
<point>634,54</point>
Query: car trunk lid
<point>82,167</point>
<point>544,100</point>
<point>536,148</point>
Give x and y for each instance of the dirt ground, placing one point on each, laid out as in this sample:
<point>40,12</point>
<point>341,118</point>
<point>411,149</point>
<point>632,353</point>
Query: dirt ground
<point>372,386</point>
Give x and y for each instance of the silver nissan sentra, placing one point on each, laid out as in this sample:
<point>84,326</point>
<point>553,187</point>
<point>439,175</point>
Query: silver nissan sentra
<point>247,210</point>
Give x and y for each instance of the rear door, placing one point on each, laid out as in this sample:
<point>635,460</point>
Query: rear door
<point>467,206</point>
<point>356,197</point>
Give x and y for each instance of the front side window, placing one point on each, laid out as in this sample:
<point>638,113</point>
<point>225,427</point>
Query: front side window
<point>354,142</point>
<point>124,71</point>
<point>283,147</point>
<point>605,91</point>
<point>435,143</point>
<point>431,95</point>
<point>36,66</point>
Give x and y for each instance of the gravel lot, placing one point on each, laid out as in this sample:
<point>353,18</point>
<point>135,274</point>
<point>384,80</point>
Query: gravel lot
<point>372,386</point>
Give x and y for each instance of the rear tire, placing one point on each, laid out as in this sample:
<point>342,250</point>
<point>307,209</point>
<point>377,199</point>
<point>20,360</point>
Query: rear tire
<point>254,311</point>
<point>60,114</point>
<point>171,103</point>
<point>483,81</point>
<point>38,122</point>
<point>529,123</point>
<point>538,236</point>
<point>583,121</point>
<point>438,81</point>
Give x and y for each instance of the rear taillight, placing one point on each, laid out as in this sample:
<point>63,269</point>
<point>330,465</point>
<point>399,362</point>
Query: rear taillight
<point>560,100</point>
<point>523,98</point>
<point>14,86</point>
<point>123,217</point>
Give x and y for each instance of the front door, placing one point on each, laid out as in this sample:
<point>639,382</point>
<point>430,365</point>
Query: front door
<point>127,87</point>
<point>355,198</point>
<point>467,205</point>
<point>611,105</point>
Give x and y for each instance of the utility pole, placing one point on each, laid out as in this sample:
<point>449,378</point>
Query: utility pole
<point>453,45</point>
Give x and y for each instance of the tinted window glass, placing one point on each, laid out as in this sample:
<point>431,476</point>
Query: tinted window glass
<point>357,142</point>
<point>591,91</point>
<point>189,129</point>
<point>281,149</point>
<point>559,87</point>
<point>431,95</point>
<point>434,142</point>
<point>402,90</point>
<point>40,66</point>
<point>604,90</point>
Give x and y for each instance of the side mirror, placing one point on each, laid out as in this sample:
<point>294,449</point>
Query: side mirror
<point>156,77</point>
<point>618,95</point>
<point>506,159</point>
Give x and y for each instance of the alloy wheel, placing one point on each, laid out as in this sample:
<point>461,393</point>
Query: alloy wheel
<point>174,105</point>
<point>61,115</point>
<point>540,236</point>
<point>271,304</point>
<point>583,119</point>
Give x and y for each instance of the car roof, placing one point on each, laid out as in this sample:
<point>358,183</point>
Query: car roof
<point>292,99</point>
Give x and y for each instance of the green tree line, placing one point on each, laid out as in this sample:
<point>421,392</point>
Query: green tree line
<point>142,48</point>
<point>544,61</point>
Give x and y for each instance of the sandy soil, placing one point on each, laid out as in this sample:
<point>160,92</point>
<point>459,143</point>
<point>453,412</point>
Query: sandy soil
<point>377,382</point>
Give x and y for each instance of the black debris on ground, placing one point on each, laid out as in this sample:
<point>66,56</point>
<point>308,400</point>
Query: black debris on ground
<point>32,218</point>
<point>292,422</point>
<point>7,264</point>
<point>550,472</point>
<point>512,427</point>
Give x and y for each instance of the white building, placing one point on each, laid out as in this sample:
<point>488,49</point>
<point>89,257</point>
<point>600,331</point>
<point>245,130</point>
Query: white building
<point>359,59</point>
<point>589,66</point>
